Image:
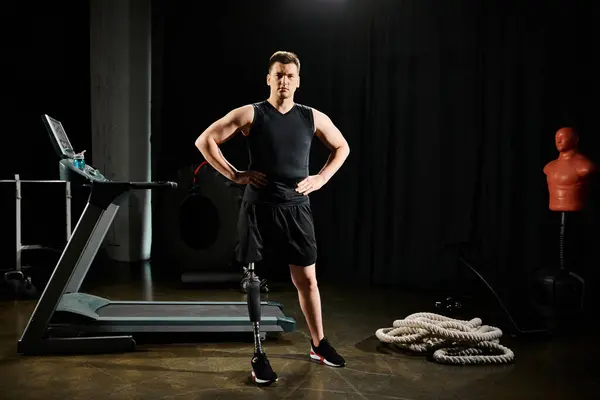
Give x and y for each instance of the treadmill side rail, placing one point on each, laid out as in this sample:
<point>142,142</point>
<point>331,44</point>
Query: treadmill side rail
<point>287,323</point>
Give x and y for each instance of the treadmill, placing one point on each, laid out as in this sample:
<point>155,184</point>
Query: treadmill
<point>66,320</point>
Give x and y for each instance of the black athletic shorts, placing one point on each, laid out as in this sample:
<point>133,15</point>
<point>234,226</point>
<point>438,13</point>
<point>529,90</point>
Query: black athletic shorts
<point>284,233</point>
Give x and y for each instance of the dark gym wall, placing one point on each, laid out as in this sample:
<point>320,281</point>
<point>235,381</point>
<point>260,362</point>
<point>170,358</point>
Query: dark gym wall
<point>450,109</point>
<point>45,70</point>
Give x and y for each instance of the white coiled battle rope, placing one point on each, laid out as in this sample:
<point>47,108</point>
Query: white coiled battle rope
<point>453,341</point>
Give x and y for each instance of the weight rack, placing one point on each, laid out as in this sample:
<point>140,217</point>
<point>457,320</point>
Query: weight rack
<point>20,247</point>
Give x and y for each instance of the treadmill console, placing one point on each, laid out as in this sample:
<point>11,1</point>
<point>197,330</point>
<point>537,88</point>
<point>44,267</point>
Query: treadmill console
<point>70,170</point>
<point>72,166</point>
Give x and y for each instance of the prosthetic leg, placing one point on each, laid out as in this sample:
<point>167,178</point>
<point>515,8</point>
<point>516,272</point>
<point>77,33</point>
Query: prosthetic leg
<point>262,373</point>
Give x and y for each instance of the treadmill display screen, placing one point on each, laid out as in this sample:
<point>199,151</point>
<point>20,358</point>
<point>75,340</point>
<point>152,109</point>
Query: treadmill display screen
<point>61,140</point>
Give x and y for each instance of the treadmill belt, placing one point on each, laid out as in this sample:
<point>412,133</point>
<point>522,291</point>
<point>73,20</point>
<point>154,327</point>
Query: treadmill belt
<point>174,310</point>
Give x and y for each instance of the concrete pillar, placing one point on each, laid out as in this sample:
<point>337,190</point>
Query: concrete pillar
<point>120,41</point>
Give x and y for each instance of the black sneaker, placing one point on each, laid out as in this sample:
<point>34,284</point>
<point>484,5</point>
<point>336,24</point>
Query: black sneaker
<point>262,373</point>
<point>326,354</point>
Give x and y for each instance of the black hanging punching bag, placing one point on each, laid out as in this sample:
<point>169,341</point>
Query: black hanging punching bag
<point>199,226</point>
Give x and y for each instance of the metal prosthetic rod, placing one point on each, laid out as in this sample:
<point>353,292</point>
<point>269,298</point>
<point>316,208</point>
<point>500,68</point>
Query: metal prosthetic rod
<point>244,282</point>
<point>253,300</point>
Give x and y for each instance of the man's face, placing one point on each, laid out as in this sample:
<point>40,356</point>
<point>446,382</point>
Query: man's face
<point>565,140</point>
<point>283,80</point>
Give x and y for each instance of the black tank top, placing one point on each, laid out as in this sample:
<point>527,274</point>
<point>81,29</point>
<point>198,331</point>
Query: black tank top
<point>279,146</point>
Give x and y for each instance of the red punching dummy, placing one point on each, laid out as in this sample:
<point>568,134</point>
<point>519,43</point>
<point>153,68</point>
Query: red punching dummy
<point>560,292</point>
<point>568,175</point>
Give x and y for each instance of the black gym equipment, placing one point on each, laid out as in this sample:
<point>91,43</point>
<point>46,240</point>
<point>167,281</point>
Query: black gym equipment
<point>197,228</point>
<point>20,283</point>
<point>68,321</point>
<point>468,292</point>
<point>559,292</point>
<point>554,303</point>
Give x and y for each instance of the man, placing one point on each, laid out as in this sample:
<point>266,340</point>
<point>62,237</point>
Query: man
<point>275,215</point>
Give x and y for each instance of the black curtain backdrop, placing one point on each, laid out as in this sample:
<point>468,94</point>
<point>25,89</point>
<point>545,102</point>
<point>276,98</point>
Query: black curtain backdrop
<point>44,68</point>
<point>450,109</point>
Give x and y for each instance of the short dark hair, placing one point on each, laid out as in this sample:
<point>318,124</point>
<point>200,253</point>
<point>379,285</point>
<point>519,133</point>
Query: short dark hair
<point>284,57</point>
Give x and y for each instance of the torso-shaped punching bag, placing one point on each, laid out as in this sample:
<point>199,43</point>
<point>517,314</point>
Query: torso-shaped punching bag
<point>558,292</point>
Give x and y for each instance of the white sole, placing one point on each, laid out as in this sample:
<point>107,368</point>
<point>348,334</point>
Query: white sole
<point>315,357</point>
<point>261,381</point>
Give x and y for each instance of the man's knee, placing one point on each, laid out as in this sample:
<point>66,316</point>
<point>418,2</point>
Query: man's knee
<point>304,278</point>
<point>305,284</point>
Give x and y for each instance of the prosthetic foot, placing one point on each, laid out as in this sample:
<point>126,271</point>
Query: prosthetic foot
<point>262,373</point>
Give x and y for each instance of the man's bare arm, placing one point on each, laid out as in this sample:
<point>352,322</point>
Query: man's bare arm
<point>331,136</point>
<point>221,131</point>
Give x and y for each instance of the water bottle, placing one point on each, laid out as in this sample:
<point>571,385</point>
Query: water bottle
<point>79,160</point>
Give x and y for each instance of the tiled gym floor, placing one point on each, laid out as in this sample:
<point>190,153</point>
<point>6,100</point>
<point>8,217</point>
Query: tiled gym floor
<point>558,368</point>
